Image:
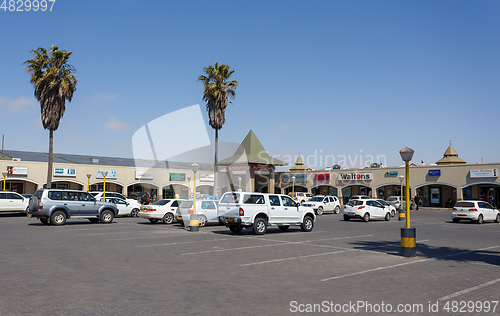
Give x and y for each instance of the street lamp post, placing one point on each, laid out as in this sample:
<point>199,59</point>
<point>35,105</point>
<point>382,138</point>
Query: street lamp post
<point>239,184</point>
<point>293,187</point>
<point>408,234</point>
<point>189,187</point>
<point>88,183</point>
<point>401,211</point>
<point>104,174</point>
<point>4,174</point>
<point>194,221</point>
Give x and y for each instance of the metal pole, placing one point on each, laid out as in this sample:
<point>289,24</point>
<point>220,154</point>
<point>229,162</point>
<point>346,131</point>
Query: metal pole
<point>194,190</point>
<point>104,189</point>
<point>407,175</point>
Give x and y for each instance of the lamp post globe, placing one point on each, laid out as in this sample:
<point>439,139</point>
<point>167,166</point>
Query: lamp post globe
<point>406,154</point>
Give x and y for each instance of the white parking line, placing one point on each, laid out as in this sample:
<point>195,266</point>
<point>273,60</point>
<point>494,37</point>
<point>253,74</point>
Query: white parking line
<point>281,242</point>
<point>404,264</point>
<point>477,287</point>
<point>182,243</point>
<point>148,237</point>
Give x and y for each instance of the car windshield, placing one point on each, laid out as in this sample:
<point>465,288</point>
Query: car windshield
<point>355,203</point>
<point>161,202</point>
<point>230,198</point>
<point>186,204</point>
<point>464,204</point>
<point>382,202</point>
<point>316,199</point>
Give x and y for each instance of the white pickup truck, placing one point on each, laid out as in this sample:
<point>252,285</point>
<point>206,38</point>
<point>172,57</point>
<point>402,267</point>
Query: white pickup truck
<point>257,211</point>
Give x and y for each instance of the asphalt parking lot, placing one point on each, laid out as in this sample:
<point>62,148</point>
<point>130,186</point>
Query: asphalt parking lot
<point>133,267</point>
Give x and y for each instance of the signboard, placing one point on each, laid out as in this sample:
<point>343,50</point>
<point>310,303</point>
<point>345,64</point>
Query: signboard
<point>253,167</point>
<point>434,172</point>
<point>17,170</point>
<point>322,177</point>
<point>355,176</point>
<point>299,177</point>
<point>177,176</point>
<point>206,177</point>
<point>139,175</point>
<point>484,173</point>
<point>269,168</point>
<point>65,172</point>
<point>112,174</point>
<point>391,173</point>
<point>244,167</point>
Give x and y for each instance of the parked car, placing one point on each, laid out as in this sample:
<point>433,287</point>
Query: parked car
<point>239,210</point>
<point>124,207</point>
<point>99,194</point>
<point>163,210</point>
<point>474,211</point>
<point>55,206</point>
<point>206,209</point>
<point>366,210</point>
<point>321,204</point>
<point>302,197</point>
<point>396,202</point>
<point>13,202</point>
<point>392,208</point>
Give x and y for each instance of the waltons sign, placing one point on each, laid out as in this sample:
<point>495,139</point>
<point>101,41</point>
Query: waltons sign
<point>365,176</point>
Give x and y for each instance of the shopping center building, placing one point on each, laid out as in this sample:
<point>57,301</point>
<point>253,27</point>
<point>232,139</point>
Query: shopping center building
<point>441,184</point>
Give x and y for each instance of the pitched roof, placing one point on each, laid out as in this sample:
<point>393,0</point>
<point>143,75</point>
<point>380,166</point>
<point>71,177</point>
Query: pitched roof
<point>299,165</point>
<point>450,157</point>
<point>251,151</point>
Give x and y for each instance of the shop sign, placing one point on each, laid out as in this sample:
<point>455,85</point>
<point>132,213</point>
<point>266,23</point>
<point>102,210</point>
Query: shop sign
<point>143,175</point>
<point>177,176</point>
<point>434,172</point>
<point>484,173</point>
<point>232,168</point>
<point>112,174</point>
<point>322,177</point>
<point>299,177</point>
<point>391,173</point>
<point>65,172</point>
<point>355,176</point>
<point>269,168</point>
<point>23,171</point>
<point>206,177</point>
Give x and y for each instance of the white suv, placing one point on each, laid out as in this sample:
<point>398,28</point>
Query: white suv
<point>13,202</point>
<point>321,204</point>
<point>301,197</point>
<point>99,194</point>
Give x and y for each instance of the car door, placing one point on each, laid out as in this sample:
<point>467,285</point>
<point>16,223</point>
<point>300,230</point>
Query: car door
<point>15,202</point>
<point>275,209</point>
<point>173,207</point>
<point>86,203</point>
<point>373,209</point>
<point>121,205</point>
<point>3,201</point>
<point>486,210</point>
<point>210,211</point>
<point>291,213</point>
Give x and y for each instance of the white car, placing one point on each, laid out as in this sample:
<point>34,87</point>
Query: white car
<point>206,209</point>
<point>391,207</point>
<point>366,210</point>
<point>163,210</point>
<point>396,202</point>
<point>124,208</point>
<point>474,211</point>
<point>13,202</point>
<point>302,197</point>
<point>99,194</point>
<point>321,204</point>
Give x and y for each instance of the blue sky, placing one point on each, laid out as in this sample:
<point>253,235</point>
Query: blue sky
<point>324,78</point>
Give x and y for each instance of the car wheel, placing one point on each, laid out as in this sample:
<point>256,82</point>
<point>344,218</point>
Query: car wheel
<point>93,220</point>
<point>106,217</point>
<point>307,224</point>
<point>202,221</point>
<point>153,220</point>
<point>337,209</point>
<point>480,219</point>
<point>283,228</point>
<point>366,217</point>
<point>260,226</point>
<point>346,218</point>
<point>393,213</point>
<point>455,220</point>
<point>168,218</point>
<point>135,212</point>
<point>236,228</point>
<point>387,217</point>
<point>58,218</point>
<point>497,220</point>
<point>44,221</point>
<point>319,212</point>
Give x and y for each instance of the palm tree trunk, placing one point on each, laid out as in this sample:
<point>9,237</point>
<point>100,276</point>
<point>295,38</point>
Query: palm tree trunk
<point>51,158</point>
<point>216,192</point>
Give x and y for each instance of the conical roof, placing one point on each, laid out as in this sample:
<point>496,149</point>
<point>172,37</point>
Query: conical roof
<point>450,157</point>
<point>299,165</point>
<point>251,151</point>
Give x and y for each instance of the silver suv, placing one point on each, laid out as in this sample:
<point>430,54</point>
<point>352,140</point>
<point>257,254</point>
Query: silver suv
<point>55,206</point>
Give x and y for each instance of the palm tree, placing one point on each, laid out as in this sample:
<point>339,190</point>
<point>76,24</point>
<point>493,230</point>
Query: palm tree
<point>54,83</point>
<point>217,88</point>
